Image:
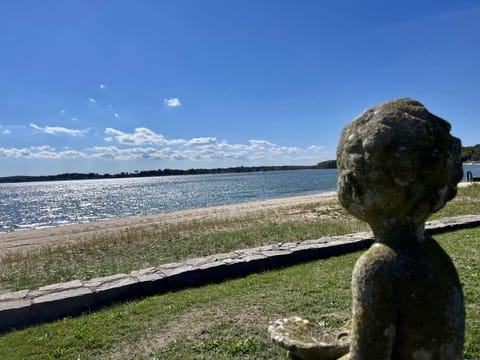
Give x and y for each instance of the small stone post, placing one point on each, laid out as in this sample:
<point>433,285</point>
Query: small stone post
<point>469,176</point>
<point>397,164</point>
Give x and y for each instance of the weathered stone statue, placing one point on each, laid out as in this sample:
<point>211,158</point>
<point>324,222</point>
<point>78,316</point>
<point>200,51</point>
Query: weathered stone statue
<point>397,164</point>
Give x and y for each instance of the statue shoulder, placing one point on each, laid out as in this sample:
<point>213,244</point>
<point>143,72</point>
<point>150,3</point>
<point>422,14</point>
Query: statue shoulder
<point>377,262</point>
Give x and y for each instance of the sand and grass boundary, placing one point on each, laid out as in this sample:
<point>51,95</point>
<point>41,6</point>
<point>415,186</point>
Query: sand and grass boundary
<point>52,302</point>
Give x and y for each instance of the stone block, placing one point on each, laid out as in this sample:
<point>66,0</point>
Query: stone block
<point>304,253</point>
<point>16,295</point>
<point>123,288</point>
<point>279,258</point>
<point>150,282</point>
<point>247,264</point>
<point>180,275</point>
<point>213,272</point>
<point>315,242</point>
<point>97,282</point>
<point>14,313</point>
<point>197,262</point>
<point>55,305</point>
<point>338,248</point>
<point>74,284</point>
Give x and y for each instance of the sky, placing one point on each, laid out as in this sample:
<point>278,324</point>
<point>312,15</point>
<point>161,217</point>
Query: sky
<point>115,85</point>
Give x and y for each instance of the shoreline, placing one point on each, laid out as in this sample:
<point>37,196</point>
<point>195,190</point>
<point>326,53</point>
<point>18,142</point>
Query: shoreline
<point>26,240</point>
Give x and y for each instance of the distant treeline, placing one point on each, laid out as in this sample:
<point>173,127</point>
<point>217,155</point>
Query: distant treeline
<point>471,153</point>
<point>331,164</point>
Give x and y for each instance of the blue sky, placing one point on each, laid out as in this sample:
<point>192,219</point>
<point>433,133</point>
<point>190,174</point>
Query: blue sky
<point>115,85</point>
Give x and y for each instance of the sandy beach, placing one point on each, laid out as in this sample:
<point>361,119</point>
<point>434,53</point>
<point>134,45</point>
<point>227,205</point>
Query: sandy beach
<point>31,239</point>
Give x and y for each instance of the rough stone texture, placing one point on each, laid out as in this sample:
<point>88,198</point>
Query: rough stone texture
<point>309,341</point>
<point>151,281</point>
<point>124,288</point>
<point>62,303</point>
<point>397,165</point>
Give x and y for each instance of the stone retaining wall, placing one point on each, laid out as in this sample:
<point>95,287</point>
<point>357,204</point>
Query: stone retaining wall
<point>52,302</point>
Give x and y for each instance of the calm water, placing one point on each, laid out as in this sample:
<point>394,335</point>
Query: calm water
<point>35,205</point>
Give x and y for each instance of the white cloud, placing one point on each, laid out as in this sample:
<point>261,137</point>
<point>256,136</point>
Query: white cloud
<point>116,115</point>
<point>14,153</point>
<point>7,132</point>
<point>316,148</point>
<point>201,141</point>
<point>144,144</point>
<point>41,152</point>
<point>140,136</point>
<point>102,86</point>
<point>42,148</point>
<point>260,144</point>
<point>201,149</point>
<point>172,102</point>
<point>58,130</point>
<point>92,100</point>
<point>47,152</point>
<point>136,153</point>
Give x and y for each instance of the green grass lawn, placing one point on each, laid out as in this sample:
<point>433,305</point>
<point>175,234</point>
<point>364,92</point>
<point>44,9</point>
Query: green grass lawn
<point>220,321</point>
<point>228,320</point>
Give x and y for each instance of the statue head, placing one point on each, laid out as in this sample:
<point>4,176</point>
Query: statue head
<point>397,164</point>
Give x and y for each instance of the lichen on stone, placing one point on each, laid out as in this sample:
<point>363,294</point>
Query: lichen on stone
<point>306,340</point>
<point>396,158</point>
<point>397,164</point>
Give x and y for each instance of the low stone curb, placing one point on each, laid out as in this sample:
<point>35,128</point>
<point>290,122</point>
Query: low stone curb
<point>52,302</point>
